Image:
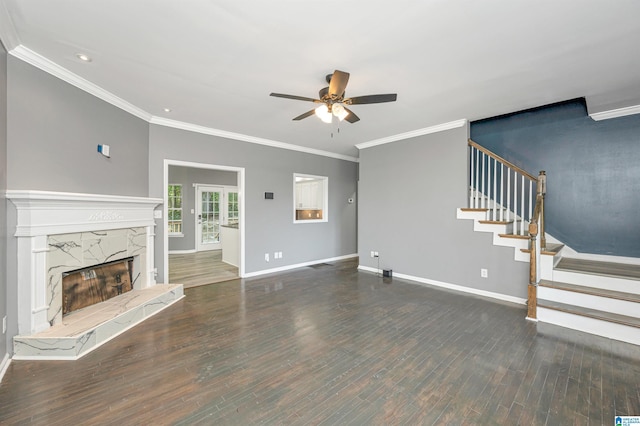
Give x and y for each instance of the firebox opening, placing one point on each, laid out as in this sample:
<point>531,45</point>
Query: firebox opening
<point>95,284</point>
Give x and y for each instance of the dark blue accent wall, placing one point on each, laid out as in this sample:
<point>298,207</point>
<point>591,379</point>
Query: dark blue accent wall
<point>593,172</point>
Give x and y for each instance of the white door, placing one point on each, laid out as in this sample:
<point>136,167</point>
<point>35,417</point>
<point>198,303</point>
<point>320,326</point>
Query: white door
<point>209,216</point>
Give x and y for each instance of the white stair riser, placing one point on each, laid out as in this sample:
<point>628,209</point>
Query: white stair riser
<point>606,304</point>
<point>521,256</point>
<point>491,227</point>
<point>546,267</point>
<point>516,243</point>
<point>460,214</point>
<point>597,281</point>
<point>590,325</point>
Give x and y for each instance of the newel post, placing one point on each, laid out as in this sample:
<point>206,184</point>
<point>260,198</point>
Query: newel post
<point>532,288</point>
<point>542,190</point>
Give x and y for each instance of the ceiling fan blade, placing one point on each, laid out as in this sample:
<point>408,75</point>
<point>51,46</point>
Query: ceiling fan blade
<point>305,115</point>
<point>297,98</point>
<point>371,99</point>
<point>338,83</point>
<point>351,118</point>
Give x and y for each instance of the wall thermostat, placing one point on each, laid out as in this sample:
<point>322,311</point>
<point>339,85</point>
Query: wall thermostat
<point>268,195</point>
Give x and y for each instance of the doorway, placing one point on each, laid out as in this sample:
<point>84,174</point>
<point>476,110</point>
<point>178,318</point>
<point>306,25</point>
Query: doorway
<point>194,256</point>
<point>208,217</point>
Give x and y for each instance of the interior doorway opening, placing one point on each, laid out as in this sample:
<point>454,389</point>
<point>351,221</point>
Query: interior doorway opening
<point>204,223</point>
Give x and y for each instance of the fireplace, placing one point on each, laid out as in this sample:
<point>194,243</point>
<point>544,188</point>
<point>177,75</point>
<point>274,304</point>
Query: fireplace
<point>58,233</point>
<point>88,286</point>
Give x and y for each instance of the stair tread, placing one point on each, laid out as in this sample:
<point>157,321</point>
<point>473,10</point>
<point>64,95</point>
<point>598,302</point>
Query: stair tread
<point>472,209</point>
<point>612,294</point>
<point>591,313</point>
<point>516,236</point>
<point>553,248</point>
<point>496,222</point>
<point>609,269</point>
<point>544,252</point>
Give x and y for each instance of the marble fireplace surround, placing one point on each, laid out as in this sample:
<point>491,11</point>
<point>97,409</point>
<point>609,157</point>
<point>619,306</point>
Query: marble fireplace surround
<point>57,232</point>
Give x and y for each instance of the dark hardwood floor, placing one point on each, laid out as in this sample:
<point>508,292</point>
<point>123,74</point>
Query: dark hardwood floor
<point>330,345</point>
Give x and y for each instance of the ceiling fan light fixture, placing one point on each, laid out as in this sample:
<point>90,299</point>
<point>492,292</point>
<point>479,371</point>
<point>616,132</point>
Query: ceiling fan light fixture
<point>323,113</point>
<point>339,111</point>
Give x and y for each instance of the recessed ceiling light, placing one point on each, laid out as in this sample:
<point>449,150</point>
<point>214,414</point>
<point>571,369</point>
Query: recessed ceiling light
<point>167,110</point>
<point>83,57</point>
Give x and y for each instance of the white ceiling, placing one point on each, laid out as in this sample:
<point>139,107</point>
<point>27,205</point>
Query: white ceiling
<point>214,62</point>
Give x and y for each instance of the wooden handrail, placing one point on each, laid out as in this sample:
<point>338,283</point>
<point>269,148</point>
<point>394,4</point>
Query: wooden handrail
<point>502,160</point>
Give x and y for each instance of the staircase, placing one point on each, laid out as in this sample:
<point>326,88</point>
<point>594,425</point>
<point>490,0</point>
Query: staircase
<point>596,297</point>
<point>601,298</point>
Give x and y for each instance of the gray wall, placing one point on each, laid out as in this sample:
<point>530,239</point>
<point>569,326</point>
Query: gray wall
<point>593,172</point>
<point>53,129</point>
<point>269,223</point>
<point>409,192</point>
<point>3,202</point>
<point>187,176</point>
<point>53,133</point>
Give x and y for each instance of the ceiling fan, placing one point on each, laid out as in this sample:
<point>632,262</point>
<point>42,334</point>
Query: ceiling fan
<point>333,102</point>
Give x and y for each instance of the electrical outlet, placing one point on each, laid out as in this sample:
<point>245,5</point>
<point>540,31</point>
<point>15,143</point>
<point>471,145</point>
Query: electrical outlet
<point>279,255</point>
<point>266,257</point>
<point>484,273</point>
<point>373,254</point>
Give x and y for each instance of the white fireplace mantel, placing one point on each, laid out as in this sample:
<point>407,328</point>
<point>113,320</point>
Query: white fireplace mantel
<point>41,214</point>
<point>50,213</point>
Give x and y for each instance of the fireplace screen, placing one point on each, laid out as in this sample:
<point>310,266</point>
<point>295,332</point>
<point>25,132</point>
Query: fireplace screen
<point>88,286</point>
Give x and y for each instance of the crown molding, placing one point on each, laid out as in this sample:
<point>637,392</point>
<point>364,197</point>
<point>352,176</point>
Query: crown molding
<point>27,55</point>
<point>8,35</point>
<point>420,132</point>
<point>245,138</point>
<point>615,113</point>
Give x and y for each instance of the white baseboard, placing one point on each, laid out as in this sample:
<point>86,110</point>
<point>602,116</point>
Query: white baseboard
<point>183,251</point>
<point>460,288</point>
<point>298,265</point>
<point>4,365</point>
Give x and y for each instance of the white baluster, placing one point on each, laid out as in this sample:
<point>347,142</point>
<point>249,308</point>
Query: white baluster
<point>508,193</point>
<point>530,200</point>
<point>501,192</point>
<point>477,183</point>
<point>495,183</point>
<point>522,207</point>
<point>482,186</point>
<point>471,177</point>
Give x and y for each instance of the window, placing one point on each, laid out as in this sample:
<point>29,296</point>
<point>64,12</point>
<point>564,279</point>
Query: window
<point>174,209</point>
<point>232,208</point>
<point>310,195</point>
